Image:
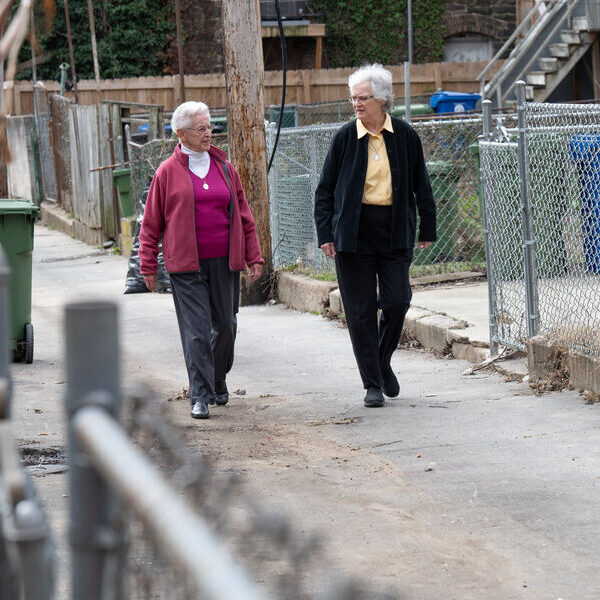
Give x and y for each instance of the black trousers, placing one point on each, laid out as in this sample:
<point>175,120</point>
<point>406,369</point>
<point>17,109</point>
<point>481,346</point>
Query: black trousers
<point>374,277</point>
<point>206,304</point>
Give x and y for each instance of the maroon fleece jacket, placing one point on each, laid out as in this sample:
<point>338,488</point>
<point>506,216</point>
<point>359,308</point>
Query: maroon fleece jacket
<point>170,214</point>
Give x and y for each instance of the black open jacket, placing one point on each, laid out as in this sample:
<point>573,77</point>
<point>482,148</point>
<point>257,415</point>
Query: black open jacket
<point>338,197</point>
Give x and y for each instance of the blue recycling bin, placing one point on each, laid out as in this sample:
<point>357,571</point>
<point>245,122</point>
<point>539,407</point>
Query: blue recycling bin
<point>453,102</point>
<point>584,150</point>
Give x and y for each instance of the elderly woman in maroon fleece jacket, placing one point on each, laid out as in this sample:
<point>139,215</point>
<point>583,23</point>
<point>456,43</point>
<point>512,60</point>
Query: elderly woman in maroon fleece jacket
<point>196,204</point>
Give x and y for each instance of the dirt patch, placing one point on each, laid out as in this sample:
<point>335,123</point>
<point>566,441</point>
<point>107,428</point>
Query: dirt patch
<point>42,455</point>
<point>374,525</point>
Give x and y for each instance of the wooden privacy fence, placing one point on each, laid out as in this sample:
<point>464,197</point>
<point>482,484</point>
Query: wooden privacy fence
<point>303,87</point>
<point>79,146</point>
<point>21,172</point>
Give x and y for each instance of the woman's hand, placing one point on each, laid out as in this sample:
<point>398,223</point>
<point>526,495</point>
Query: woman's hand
<point>328,249</point>
<point>423,245</point>
<point>150,281</point>
<point>255,271</point>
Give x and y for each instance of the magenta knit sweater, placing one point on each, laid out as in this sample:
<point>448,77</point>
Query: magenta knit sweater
<point>212,214</point>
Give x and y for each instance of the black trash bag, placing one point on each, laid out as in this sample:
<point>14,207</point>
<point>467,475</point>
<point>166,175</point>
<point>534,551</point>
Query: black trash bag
<point>134,281</point>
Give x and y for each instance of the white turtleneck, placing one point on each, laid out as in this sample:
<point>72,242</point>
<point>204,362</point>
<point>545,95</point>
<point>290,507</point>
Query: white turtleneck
<point>199,162</point>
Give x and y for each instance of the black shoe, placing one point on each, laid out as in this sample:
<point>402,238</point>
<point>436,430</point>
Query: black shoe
<point>374,398</point>
<point>221,393</point>
<point>200,410</point>
<point>222,399</point>
<point>390,383</point>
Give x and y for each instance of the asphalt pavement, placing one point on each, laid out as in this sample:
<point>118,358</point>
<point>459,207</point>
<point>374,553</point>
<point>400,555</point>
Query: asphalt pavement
<point>514,476</point>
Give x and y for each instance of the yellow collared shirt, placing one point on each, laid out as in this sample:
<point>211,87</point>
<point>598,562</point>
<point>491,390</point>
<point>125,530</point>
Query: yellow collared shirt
<point>378,181</point>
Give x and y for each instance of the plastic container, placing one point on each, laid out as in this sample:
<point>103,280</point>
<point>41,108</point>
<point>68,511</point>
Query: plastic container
<point>443,176</point>
<point>290,115</point>
<point>584,150</point>
<point>219,124</point>
<point>415,110</point>
<point>16,237</point>
<point>453,102</point>
<point>122,179</point>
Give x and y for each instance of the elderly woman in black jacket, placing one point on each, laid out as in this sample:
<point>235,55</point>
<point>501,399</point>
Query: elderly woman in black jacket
<point>373,182</point>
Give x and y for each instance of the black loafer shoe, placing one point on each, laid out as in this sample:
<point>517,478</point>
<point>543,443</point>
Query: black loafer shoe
<point>221,393</point>
<point>374,398</point>
<point>222,399</point>
<point>200,410</point>
<point>390,384</point>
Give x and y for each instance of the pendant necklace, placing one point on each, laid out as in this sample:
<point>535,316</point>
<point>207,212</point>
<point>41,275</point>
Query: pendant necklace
<point>204,184</point>
<point>376,155</point>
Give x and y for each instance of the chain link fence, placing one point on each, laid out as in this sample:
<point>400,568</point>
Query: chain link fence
<point>453,170</point>
<point>541,184</point>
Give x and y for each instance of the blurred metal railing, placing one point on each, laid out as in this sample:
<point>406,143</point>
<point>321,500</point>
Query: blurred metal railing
<point>26,558</point>
<point>108,474</point>
<point>149,517</point>
<point>541,183</point>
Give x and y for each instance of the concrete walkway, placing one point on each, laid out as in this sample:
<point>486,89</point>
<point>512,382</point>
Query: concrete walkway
<point>464,487</point>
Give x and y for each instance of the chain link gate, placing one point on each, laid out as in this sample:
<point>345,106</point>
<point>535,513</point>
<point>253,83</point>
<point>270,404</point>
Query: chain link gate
<point>541,192</point>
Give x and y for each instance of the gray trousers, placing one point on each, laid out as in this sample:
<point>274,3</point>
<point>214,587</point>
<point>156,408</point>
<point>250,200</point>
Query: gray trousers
<point>206,304</point>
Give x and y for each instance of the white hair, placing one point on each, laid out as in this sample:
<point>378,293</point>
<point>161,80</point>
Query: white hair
<point>380,80</point>
<point>184,114</point>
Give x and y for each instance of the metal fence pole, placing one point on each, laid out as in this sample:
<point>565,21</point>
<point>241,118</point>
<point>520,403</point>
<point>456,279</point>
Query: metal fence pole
<point>92,367</point>
<point>531,297</point>
<point>7,578</point>
<point>493,324</point>
<point>25,558</point>
<point>4,334</point>
<point>181,534</point>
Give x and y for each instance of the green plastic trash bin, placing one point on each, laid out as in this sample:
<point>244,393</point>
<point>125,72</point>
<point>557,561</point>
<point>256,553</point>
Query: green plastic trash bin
<point>290,115</point>
<point>219,124</point>
<point>16,237</point>
<point>444,176</point>
<point>122,179</point>
<point>548,186</point>
<point>415,110</point>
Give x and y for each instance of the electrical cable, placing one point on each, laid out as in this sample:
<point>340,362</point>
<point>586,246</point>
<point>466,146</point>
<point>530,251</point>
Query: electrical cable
<point>283,89</point>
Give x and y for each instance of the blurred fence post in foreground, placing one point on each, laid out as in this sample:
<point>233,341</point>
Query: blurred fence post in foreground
<point>106,467</point>
<point>25,556</point>
<point>92,368</point>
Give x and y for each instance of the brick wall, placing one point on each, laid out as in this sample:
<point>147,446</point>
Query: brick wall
<point>203,42</point>
<point>492,18</point>
<point>203,45</point>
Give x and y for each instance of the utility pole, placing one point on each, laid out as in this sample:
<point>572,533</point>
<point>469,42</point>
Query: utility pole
<point>94,50</point>
<point>408,63</point>
<point>71,53</point>
<point>180,53</point>
<point>244,76</point>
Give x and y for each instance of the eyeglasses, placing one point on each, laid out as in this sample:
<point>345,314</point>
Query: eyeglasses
<point>201,130</point>
<point>361,99</point>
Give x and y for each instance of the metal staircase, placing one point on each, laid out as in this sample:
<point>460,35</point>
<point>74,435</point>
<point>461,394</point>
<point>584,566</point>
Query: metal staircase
<point>548,43</point>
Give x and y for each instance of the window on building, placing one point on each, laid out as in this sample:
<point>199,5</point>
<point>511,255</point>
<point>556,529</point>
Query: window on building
<point>468,48</point>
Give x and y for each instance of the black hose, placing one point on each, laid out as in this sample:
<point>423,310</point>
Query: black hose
<point>284,65</point>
